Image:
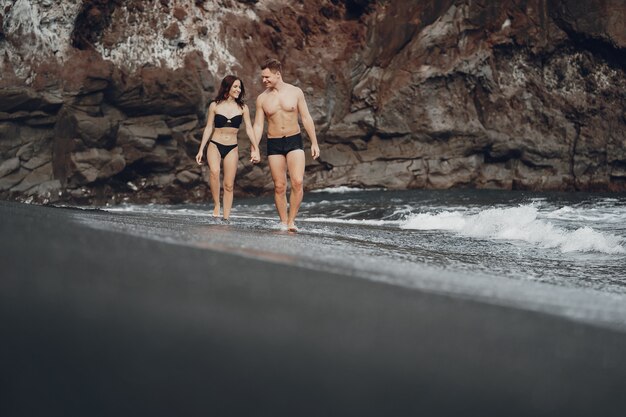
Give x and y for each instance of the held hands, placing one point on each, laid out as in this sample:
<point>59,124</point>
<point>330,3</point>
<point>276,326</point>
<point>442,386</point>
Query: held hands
<point>255,156</point>
<point>315,151</point>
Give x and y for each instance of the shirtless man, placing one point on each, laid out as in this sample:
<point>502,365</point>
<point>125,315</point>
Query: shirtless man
<point>281,103</point>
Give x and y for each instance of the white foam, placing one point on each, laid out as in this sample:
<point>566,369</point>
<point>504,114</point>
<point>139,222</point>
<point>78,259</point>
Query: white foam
<point>447,220</point>
<point>585,239</point>
<point>598,213</point>
<point>153,208</point>
<point>350,221</point>
<point>517,224</point>
<point>343,189</point>
<point>563,211</point>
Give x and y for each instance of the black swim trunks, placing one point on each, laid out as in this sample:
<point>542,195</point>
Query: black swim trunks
<point>224,149</point>
<point>284,145</point>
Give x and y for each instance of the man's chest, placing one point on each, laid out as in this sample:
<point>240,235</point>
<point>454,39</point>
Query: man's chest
<point>279,103</point>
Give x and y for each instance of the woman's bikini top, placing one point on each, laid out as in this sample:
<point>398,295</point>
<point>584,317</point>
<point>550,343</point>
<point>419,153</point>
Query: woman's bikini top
<point>223,121</point>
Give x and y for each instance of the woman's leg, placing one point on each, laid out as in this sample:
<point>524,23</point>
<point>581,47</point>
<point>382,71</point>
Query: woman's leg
<point>214,159</point>
<point>230,170</point>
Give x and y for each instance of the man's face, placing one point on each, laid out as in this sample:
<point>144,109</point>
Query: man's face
<point>270,78</point>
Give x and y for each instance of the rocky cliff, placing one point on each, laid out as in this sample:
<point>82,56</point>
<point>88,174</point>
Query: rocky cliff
<point>105,100</point>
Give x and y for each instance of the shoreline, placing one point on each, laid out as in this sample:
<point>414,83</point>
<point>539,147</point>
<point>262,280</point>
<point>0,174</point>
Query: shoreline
<point>258,236</point>
<point>102,323</point>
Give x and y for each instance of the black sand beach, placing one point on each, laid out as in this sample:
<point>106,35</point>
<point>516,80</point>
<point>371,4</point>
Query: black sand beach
<point>97,323</point>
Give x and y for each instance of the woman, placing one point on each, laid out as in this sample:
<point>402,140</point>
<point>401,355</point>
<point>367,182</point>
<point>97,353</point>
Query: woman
<point>224,119</point>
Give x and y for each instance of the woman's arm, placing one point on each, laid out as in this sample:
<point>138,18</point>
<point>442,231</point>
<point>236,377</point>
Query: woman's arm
<point>208,130</point>
<point>254,149</point>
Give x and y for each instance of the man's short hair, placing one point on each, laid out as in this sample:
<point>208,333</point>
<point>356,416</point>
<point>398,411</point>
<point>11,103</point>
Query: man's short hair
<point>273,65</point>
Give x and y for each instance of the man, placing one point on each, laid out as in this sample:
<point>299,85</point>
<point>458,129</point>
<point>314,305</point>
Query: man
<point>281,103</point>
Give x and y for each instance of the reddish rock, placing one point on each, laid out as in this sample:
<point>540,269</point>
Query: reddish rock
<point>601,20</point>
<point>9,181</point>
<point>96,164</point>
<point>156,90</point>
<point>179,13</point>
<point>38,160</point>
<point>93,17</point>
<point>9,166</point>
<point>21,98</point>
<point>187,178</point>
<point>34,178</point>
<point>510,94</point>
<point>86,72</point>
<point>172,32</point>
<point>46,192</point>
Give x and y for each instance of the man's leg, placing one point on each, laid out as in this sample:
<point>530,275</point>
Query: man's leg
<point>295,166</point>
<point>278,168</point>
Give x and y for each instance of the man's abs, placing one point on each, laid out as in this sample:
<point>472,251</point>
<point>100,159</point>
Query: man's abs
<point>282,124</point>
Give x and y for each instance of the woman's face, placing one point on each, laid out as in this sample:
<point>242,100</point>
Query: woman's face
<point>235,90</point>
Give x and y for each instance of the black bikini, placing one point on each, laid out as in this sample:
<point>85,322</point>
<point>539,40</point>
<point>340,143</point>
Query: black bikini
<point>222,121</point>
<point>224,149</point>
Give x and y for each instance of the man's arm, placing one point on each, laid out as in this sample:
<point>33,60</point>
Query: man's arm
<point>259,120</point>
<point>307,122</point>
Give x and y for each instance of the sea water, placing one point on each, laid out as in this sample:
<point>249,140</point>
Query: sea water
<point>564,253</point>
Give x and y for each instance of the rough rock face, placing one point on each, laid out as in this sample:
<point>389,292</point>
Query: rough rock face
<point>105,100</point>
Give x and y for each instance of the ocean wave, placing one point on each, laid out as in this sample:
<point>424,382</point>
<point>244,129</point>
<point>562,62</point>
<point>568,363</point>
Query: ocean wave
<point>343,189</point>
<point>351,221</point>
<point>156,209</point>
<point>590,214</point>
<point>517,224</point>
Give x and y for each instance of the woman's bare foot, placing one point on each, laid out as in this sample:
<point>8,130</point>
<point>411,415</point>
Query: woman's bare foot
<point>216,211</point>
<point>292,227</point>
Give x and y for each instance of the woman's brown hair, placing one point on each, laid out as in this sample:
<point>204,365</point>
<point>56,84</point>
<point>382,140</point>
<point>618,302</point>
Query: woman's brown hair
<point>225,87</point>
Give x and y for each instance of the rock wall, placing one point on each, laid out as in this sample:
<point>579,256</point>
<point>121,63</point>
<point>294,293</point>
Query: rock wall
<point>105,100</point>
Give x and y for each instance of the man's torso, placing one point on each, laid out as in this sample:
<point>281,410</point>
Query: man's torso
<point>281,110</point>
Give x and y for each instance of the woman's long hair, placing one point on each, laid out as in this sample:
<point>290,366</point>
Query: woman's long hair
<point>225,87</point>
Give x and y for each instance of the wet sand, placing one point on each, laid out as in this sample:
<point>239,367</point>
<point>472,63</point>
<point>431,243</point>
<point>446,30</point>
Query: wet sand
<point>97,323</point>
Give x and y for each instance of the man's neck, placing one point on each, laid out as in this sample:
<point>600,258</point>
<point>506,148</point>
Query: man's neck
<point>280,85</point>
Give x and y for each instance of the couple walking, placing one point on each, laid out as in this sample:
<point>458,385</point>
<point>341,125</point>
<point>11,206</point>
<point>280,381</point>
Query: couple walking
<point>281,103</point>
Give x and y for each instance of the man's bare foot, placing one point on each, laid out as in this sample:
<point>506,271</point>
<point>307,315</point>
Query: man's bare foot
<point>216,211</point>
